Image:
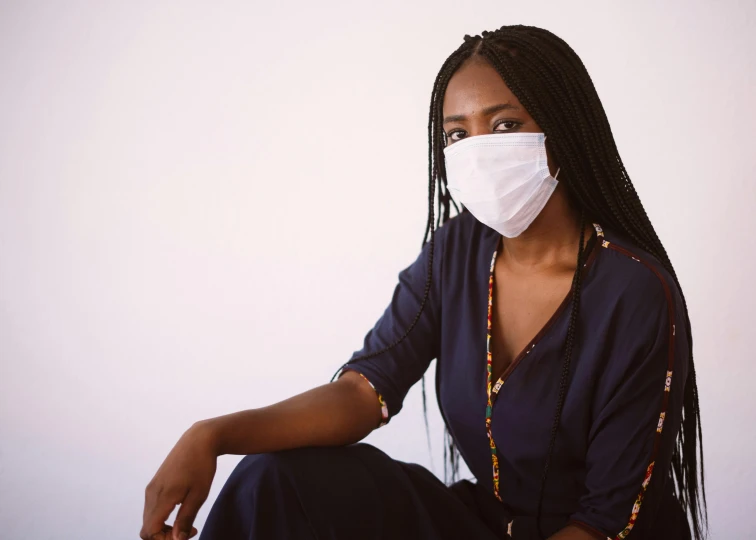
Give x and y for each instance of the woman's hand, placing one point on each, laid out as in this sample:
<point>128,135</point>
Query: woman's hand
<point>166,533</point>
<point>184,478</point>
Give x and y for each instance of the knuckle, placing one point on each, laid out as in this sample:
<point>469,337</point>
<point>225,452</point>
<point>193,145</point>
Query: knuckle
<point>154,491</point>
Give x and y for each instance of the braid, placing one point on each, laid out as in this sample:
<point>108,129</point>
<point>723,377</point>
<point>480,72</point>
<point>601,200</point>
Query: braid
<point>577,280</point>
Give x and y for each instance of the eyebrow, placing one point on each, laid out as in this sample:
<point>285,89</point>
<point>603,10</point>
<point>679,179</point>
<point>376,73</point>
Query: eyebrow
<point>487,111</point>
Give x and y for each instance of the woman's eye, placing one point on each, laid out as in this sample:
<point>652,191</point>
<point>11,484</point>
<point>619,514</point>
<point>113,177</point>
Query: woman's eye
<point>507,126</point>
<point>455,135</point>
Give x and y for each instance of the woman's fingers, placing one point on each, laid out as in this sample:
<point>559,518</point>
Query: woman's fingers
<point>163,534</point>
<point>167,533</point>
<point>157,508</point>
<point>186,515</point>
<point>191,534</point>
<point>183,479</point>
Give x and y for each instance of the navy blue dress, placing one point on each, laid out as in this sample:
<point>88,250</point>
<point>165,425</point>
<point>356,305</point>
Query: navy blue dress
<point>609,471</point>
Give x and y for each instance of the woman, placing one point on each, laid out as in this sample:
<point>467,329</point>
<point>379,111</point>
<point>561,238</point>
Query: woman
<point>565,375</point>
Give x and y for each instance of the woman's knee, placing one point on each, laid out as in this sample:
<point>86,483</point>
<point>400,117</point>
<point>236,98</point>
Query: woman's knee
<point>273,465</point>
<point>256,469</point>
<point>293,466</point>
<point>259,500</point>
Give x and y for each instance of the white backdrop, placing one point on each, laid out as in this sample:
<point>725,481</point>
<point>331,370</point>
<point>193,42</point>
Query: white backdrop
<point>204,207</point>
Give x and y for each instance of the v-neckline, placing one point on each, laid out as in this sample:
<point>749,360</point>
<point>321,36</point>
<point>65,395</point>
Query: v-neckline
<point>590,249</point>
<point>492,394</point>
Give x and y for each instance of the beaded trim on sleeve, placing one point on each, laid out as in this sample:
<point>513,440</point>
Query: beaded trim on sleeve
<point>381,401</point>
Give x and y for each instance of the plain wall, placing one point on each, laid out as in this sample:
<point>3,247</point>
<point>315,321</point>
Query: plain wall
<point>204,208</point>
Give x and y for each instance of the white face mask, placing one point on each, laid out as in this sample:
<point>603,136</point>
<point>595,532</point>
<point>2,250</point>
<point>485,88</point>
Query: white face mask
<point>502,178</point>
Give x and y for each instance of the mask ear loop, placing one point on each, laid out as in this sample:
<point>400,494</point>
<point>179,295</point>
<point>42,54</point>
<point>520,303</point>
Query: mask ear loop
<point>558,168</point>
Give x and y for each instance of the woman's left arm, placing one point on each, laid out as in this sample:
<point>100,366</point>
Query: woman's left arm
<point>638,403</point>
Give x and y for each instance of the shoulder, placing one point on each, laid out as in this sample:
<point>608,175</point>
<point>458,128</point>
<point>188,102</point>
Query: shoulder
<point>639,279</point>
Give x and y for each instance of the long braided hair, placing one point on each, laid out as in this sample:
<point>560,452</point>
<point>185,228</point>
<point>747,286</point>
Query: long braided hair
<point>551,82</point>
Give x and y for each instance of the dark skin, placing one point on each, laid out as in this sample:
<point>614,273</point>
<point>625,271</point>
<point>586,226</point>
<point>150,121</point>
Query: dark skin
<point>533,272</point>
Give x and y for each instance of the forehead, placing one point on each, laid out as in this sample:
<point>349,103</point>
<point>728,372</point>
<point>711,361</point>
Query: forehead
<point>474,86</point>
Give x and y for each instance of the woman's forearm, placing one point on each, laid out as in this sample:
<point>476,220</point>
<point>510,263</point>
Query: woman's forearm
<point>338,413</point>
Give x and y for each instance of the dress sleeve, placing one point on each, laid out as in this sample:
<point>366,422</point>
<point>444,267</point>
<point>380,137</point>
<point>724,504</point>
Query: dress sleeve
<point>393,372</point>
<point>638,408</point>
